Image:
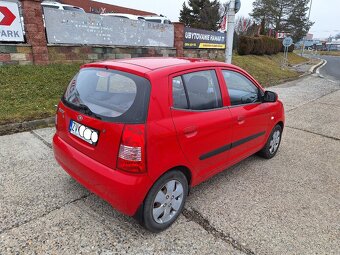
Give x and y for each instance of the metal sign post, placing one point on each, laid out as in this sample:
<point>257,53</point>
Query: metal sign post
<point>288,41</point>
<point>234,7</point>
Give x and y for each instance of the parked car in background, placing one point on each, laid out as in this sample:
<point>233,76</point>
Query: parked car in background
<point>60,6</point>
<point>140,132</point>
<point>158,19</point>
<point>124,16</point>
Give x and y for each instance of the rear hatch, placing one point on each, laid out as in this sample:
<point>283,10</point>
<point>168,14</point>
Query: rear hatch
<point>96,106</point>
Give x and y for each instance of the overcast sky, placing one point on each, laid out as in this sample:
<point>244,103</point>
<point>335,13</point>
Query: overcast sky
<point>324,13</point>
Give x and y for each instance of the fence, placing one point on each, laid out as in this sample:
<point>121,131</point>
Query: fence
<point>82,37</point>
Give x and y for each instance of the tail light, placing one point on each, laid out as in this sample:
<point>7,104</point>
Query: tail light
<point>131,157</point>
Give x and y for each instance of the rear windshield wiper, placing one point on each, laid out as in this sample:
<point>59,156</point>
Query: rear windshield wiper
<point>86,110</point>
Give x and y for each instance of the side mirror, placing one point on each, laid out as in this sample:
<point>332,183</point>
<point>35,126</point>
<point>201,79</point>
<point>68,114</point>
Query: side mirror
<point>269,97</point>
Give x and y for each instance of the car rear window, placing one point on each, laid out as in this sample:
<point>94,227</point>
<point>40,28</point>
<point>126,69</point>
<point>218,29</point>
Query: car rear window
<point>109,95</point>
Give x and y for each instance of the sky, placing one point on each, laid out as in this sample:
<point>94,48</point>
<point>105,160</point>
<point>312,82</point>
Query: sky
<point>324,13</point>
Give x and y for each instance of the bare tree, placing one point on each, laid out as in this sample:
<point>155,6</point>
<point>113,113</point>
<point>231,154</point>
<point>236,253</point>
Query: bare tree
<point>245,26</point>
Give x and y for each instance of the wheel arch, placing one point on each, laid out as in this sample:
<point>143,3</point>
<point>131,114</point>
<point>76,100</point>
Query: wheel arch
<point>183,169</point>
<point>281,124</point>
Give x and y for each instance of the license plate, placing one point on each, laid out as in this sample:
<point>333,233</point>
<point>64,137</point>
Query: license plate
<point>83,132</point>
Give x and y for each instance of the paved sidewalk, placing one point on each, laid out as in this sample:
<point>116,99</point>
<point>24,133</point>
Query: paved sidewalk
<point>287,205</point>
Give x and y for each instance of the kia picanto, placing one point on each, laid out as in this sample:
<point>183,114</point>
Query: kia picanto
<point>140,133</point>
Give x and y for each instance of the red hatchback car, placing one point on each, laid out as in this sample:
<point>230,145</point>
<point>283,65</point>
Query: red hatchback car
<point>140,132</point>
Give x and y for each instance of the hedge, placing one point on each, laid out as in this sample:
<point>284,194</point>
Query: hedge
<point>258,45</point>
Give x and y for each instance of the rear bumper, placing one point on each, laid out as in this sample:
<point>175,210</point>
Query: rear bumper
<point>125,192</point>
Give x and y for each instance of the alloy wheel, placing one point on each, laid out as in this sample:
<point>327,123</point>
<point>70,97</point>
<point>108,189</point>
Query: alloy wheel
<point>274,142</point>
<point>168,201</point>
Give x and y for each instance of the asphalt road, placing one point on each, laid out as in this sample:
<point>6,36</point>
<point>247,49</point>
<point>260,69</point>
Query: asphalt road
<point>287,205</point>
<point>332,68</point>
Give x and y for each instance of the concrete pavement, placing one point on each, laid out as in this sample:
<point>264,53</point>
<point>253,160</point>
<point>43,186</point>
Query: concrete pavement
<point>287,205</point>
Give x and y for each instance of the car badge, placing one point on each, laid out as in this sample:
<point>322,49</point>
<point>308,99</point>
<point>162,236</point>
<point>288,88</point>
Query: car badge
<point>79,118</point>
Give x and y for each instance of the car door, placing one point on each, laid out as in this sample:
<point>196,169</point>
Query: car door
<point>249,116</point>
<point>202,124</point>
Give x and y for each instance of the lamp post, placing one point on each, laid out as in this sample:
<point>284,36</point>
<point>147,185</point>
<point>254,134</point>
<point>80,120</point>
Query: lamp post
<point>304,39</point>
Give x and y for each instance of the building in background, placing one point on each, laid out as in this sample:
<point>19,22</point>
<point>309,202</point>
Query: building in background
<point>99,8</point>
<point>309,36</point>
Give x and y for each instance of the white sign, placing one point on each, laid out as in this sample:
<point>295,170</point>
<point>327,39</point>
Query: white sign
<point>280,35</point>
<point>10,22</point>
<point>287,41</point>
<point>67,27</point>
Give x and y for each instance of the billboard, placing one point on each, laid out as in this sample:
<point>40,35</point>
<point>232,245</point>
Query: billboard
<point>67,27</point>
<point>10,23</point>
<point>203,39</point>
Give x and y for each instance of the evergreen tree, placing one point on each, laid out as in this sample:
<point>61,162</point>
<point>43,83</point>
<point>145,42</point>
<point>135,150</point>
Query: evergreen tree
<point>298,23</point>
<point>185,15</point>
<point>202,14</point>
<point>288,16</point>
<point>261,13</point>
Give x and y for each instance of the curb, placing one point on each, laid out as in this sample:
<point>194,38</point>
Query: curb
<point>318,69</point>
<point>313,68</point>
<point>12,128</point>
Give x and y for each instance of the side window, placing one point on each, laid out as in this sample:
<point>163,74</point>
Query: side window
<point>240,89</point>
<point>196,91</point>
<point>178,93</point>
<point>203,90</point>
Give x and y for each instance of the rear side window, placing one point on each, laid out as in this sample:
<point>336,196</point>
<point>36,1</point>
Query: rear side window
<point>240,89</point>
<point>70,8</point>
<point>196,91</point>
<point>154,20</point>
<point>109,95</point>
<point>51,6</point>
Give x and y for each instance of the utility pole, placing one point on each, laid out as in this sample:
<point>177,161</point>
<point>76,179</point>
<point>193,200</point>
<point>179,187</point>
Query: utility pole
<point>230,32</point>
<point>304,39</point>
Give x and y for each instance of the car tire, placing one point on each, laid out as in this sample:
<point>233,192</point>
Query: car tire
<point>273,143</point>
<point>164,202</point>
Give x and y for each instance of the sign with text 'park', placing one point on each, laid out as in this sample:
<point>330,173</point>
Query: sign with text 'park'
<point>10,23</point>
<point>203,39</point>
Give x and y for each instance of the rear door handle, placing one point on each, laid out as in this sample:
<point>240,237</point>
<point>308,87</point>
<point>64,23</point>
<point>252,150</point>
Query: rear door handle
<point>190,131</point>
<point>241,120</point>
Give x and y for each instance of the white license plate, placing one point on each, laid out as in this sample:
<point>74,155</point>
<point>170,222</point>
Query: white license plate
<point>83,132</point>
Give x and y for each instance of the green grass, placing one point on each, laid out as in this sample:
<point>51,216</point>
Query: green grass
<point>267,69</point>
<point>329,53</point>
<point>31,92</point>
<point>319,52</point>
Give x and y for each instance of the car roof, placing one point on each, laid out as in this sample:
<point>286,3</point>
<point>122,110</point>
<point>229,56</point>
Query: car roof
<point>153,66</point>
<point>59,4</point>
<point>156,17</point>
<point>154,63</point>
<point>130,16</point>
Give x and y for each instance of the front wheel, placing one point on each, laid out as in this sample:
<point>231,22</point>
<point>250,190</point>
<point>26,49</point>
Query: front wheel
<point>272,144</point>
<point>164,202</point>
